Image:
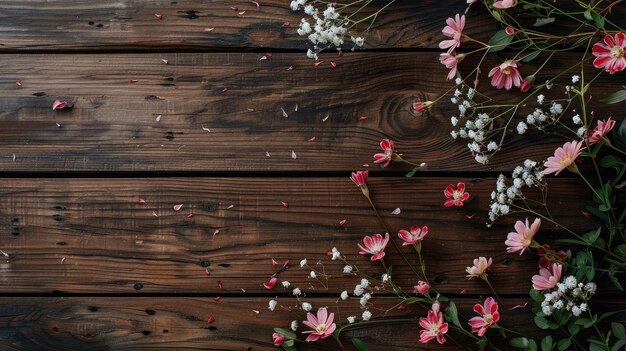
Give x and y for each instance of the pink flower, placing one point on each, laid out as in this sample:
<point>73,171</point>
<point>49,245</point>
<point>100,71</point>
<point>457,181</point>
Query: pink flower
<point>505,4</point>
<point>374,245</point>
<point>385,157</point>
<point>322,326</point>
<point>488,316</point>
<point>451,61</point>
<point>526,85</point>
<point>455,196</point>
<point>434,326</point>
<point>454,30</point>
<point>548,256</point>
<point>421,106</point>
<point>509,30</point>
<point>412,236</point>
<point>278,339</point>
<point>421,288</point>
<point>563,157</point>
<point>610,54</point>
<point>522,237</point>
<point>59,105</point>
<point>479,269</point>
<point>359,178</point>
<point>547,278</point>
<point>602,129</point>
<point>269,285</point>
<point>506,75</point>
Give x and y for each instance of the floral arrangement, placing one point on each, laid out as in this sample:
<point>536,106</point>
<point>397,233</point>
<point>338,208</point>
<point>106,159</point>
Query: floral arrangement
<point>542,98</point>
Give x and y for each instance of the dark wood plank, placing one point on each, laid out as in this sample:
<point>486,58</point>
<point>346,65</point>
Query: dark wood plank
<point>131,25</point>
<point>112,125</point>
<point>178,323</point>
<point>92,235</point>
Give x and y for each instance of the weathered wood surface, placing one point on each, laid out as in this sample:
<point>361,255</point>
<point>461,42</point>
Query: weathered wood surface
<point>181,323</point>
<point>132,25</point>
<point>93,236</point>
<point>112,125</point>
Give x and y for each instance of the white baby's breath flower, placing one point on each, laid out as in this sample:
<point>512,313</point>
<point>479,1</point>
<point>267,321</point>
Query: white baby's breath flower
<point>365,283</point>
<point>303,263</point>
<point>347,269</point>
<point>576,119</point>
<point>335,254</point>
<point>344,295</point>
<point>351,319</point>
<point>313,275</point>
<point>286,283</point>
<point>581,131</point>
<point>521,128</point>
<point>575,79</point>
<point>294,325</point>
<point>366,315</point>
<point>307,306</point>
<point>540,99</point>
<point>272,304</point>
<point>358,41</point>
<point>297,292</point>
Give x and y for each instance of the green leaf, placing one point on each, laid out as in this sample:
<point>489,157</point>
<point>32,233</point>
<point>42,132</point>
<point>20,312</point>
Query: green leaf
<point>542,322</point>
<point>598,19</point>
<point>618,330</point>
<point>531,56</point>
<point>616,97</point>
<point>612,270</point>
<point>587,15</point>
<point>592,236</point>
<point>359,344</point>
<point>595,347</point>
<point>482,343</point>
<point>564,344</point>
<point>536,295</point>
<point>452,315</point>
<point>621,130</point>
<point>496,15</point>
<point>289,348</point>
<point>543,21</point>
<point>546,343</point>
<point>499,41</point>
<point>520,343</point>
<point>621,250</point>
<point>412,172</point>
<point>610,161</point>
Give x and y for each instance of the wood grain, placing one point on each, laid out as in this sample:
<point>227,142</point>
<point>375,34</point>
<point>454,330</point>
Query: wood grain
<point>93,236</point>
<point>112,125</point>
<point>186,24</point>
<point>177,323</point>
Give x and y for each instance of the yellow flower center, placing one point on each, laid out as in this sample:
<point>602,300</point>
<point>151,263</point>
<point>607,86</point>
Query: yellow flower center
<point>488,318</point>
<point>508,70</point>
<point>566,161</point>
<point>320,328</point>
<point>457,195</point>
<point>617,52</point>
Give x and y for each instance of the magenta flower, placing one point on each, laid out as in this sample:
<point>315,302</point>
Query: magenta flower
<point>479,269</point>
<point>451,61</point>
<point>412,236</point>
<point>504,4</point>
<point>547,278</point>
<point>421,288</point>
<point>563,157</point>
<point>374,245</point>
<point>278,339</point>
<point>359,178</point>
<point>322,326</point>
<point>455,196</point>
<point>488,316</point>
<point>434,326</point>
<point>522,237</point>
<point>385,157</point>
<point>601,129</point>
<point>506,75</point>
<point>454,30</point>
<point>610,54</point>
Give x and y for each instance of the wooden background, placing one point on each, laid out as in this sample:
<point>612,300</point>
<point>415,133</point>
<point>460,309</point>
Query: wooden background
<point>91,268</point>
